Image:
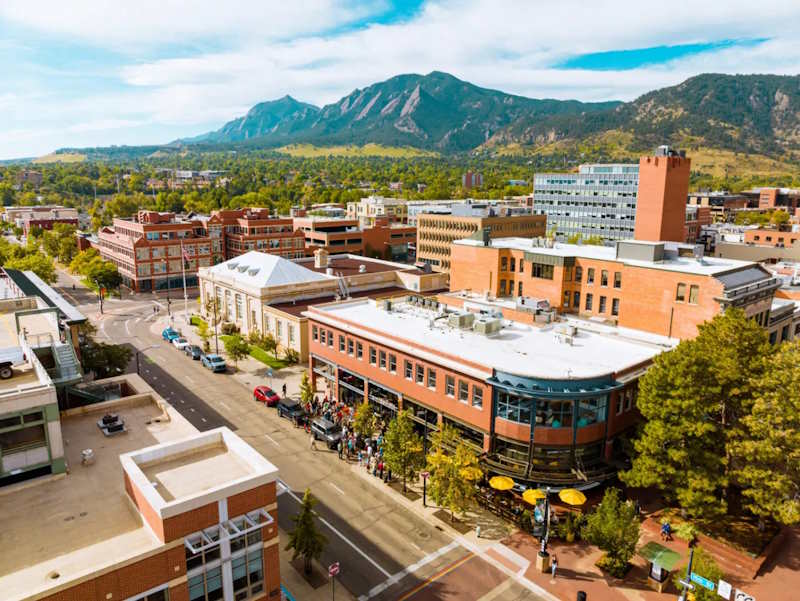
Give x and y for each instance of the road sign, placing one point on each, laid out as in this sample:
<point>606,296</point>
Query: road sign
<point>724,589</point>
<point>333,569</point>
<point>269,372</point>
<point>742,596</point>
<point>704,582</point>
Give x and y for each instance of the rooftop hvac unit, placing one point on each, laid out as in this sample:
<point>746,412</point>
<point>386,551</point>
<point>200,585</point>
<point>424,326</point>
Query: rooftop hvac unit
<point>567,329</point>
<point>461,320</point>
<point>488,326</point>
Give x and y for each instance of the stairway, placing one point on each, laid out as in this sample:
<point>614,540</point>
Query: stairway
<point>68,366</point>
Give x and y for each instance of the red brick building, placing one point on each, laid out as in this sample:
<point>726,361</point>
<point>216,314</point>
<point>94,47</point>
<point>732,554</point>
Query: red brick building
<point>697,217</point>
<point>345,235</point>
<point>244,230</point>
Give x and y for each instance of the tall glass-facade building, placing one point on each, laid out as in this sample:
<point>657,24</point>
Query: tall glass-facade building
<point>599,200</point>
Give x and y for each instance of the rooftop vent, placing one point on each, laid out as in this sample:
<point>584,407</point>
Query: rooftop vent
<point>253,271</point>
<point>242,268</point>
<point>233,265</point>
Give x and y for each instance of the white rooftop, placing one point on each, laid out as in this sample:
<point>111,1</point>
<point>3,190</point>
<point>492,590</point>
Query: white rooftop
<point>262,270</point>
<point>521,349</point>
<point>708,266</point>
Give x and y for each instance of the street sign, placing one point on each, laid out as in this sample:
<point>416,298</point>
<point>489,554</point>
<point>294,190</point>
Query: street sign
<point>269,372</point>
<point>724,589</point>
<point>704,582</point>
<point>333,569</point>
<point>742,596</point>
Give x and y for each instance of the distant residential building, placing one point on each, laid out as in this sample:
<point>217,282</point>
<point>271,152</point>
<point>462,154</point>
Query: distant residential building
<point>436,232</point>
<point>28,176</point>
<point>44,217</point>
<point>345,235</point>
<point>415,208</point>
<point>787,199</point>
<point>372,208</point>
<point>396,186</point>
<point>471,180</point>
<point>723,205</point>
<point>697,218</point>
<point>771,237</point>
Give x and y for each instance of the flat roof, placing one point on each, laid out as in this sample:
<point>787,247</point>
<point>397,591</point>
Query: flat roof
<point>525,350</point>
<point>298,307</point>
<point>77,524</point>
<point>708,266</point>
<point>350,264</point>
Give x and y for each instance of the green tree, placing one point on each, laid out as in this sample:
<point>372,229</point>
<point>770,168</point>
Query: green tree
<point>454,470</point>
<point>236,347</point>
<point>305,540</point>
<point>364,419</point>
<point>768,466</point>
<point>614,528</point>
<point>402,449</point>
<point>704,565</point>
<point>693,399</point>
<point>306,390</point>
<point>269,344</point>
<point>38,263</point>
<point>105,360</point>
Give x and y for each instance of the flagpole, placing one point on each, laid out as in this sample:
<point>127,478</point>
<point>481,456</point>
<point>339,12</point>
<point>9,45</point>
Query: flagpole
<point>185,296</point>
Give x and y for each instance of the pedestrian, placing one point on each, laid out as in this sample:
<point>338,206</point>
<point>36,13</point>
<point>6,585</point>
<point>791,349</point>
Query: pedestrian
<point>313,442</point>
<point>380,470</point>
<point>478,531</point>
<point>554,566</point>
<point>284,389</point>
<point>340,447</point>
<point>360,458</point>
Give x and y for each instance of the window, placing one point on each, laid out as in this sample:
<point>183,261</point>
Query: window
<point>519,289</point>
<point>589,302</point>
<point>290,331</point>
<point>615,306</point>
<point>450,386</point>
<point>409,370</point>
<point>604,278</point>
<point>566,298</point>
<point>513,264</point>
<point>539,270</point>
<point>591,411</point>
<point>463,391</point>
<point>162,595</point>
<point>522,264</point>
<point>392,363</point>
<point>341,343</point>
<point>680,293</point>
<point>578,273</point>
<point>602,307</point>
<point>432,378</point>
<point>590,276</point>
<point>502,287</point>
<point>617,279</point>
<point>350,346</point>
<point>373,355</point>
<point>630,393</point>
<point>620,399</point>
<point>694,292</point>
<point>576,300</point>
<point>477,396</point>
<point>420,374</point>
<point>503,263</point>
<point>330,335</point>
<point>17,440</point>
<point>314,333</point>
<point>382,359</point>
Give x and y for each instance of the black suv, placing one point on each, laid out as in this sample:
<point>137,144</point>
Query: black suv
<point>291,409</point>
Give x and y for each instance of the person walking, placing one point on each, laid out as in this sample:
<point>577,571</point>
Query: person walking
<point>284,389</point>
<point>313,441</point>
<point>340,447</point>
<point>554,566</point>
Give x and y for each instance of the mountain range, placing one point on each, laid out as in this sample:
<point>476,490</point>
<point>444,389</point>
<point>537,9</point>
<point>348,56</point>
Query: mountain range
<point>741,113</point>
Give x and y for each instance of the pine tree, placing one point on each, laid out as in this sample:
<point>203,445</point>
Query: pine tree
<point>454,470</point>
<point>305,540</point>
<point>768,465</point>
<point>613,527</point>
<point>402,449</point>
<point>693,399</point>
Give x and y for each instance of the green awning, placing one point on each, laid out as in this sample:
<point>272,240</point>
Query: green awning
<point>659,554</point>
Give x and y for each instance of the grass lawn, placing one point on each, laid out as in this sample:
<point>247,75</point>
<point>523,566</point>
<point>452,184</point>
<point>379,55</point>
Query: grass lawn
<point>261,355</point>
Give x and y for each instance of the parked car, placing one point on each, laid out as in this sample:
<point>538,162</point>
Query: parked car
<point>291,409</point>
<point>326,431</point>
<point>266,395</point>
<point>194,351</point>
<point>169,334</point>
<point>8,359</point>
<point>213,362</point>
<point>180,343</point>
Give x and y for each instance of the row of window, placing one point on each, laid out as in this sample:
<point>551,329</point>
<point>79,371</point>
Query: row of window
<point>694,293</point>
<point>418,373</point>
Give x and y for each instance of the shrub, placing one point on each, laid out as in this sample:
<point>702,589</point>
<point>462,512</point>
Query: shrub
<point>686,531</point>
<point>229,328</point>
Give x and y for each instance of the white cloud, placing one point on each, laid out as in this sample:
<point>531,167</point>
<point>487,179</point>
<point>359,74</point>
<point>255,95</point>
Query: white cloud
<point>262,50</point>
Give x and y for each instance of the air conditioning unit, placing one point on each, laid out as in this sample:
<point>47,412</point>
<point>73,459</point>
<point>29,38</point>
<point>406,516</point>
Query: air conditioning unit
<point>461,320</point>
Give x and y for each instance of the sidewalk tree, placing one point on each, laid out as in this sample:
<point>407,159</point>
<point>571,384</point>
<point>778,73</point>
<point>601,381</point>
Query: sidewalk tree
<point>306,391</point>
<point>269,344</point>
<point>305,540</point>
<point>236,347</point>
<point>402,448</point>
<point>769,469</point>
<point>693,399</point>
<point>454,470</point>
<point>37,262</point>
<point>614,528</point>
<point>704,565</point>
<point>104,360</point>
<point>364,419</point>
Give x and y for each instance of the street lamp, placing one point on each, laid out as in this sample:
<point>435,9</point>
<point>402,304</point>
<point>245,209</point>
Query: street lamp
<point>140,351</point>
<point>100,294</point>
<point>166,271</point>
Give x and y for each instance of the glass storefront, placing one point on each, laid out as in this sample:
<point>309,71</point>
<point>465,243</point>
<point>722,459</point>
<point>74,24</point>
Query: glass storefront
<point>551,413</point>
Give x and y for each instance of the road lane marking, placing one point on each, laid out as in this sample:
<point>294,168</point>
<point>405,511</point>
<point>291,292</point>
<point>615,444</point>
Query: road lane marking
<point>340,535</point>
<point>395,578</point>
<point>416,546</point>
<point>189,379</point>
<point>127,329</point>
<point>191,409</point>
<point>339,490</point>
<point>436,576</point>
<point>272,440</point>
<point>225,406</point>
<point>203,419</point>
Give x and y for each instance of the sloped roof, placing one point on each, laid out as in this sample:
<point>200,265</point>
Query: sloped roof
<point>263,270</point>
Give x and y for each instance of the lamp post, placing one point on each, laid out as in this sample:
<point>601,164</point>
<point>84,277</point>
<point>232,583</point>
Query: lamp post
<point>100,294</point>
<point>425,457</point>
<point>140,351</point>
<point>166,271</point>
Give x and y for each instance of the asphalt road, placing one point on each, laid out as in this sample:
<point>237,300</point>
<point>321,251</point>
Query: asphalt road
<point>385,551</point>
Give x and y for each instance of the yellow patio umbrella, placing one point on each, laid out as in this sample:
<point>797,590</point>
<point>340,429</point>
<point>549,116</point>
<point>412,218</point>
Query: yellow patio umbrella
<point>501,483</point>
<point>571,496</point>
<point>532,495</point>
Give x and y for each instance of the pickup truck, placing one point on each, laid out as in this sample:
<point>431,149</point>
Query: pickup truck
<point>8,359</point>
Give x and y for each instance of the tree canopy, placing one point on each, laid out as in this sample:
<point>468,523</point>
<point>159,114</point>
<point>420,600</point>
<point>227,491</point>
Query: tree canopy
<point>402,449</point>
<point>305,540</point>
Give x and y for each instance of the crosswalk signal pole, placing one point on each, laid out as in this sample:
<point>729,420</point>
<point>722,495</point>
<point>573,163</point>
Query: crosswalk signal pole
<point>687,584</point>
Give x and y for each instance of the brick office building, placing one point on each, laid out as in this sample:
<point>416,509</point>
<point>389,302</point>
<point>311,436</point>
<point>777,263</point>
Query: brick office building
<point>697,217</point>
<point>243,230</point>
<point>160,513</point>
<point>345,235</point>
<point>542,405</point>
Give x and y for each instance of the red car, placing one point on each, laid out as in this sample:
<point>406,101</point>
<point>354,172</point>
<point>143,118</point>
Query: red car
<point>266,395</point>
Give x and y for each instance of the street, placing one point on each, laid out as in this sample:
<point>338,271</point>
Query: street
<point>385,550</point>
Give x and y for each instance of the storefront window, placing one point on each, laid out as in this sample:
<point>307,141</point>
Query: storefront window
<point>515,451</point>
<point>591,411</point>
<point>514,408</point>
<point>554,413</point>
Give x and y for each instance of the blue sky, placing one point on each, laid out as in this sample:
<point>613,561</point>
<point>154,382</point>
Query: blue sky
<point>85,73</point>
